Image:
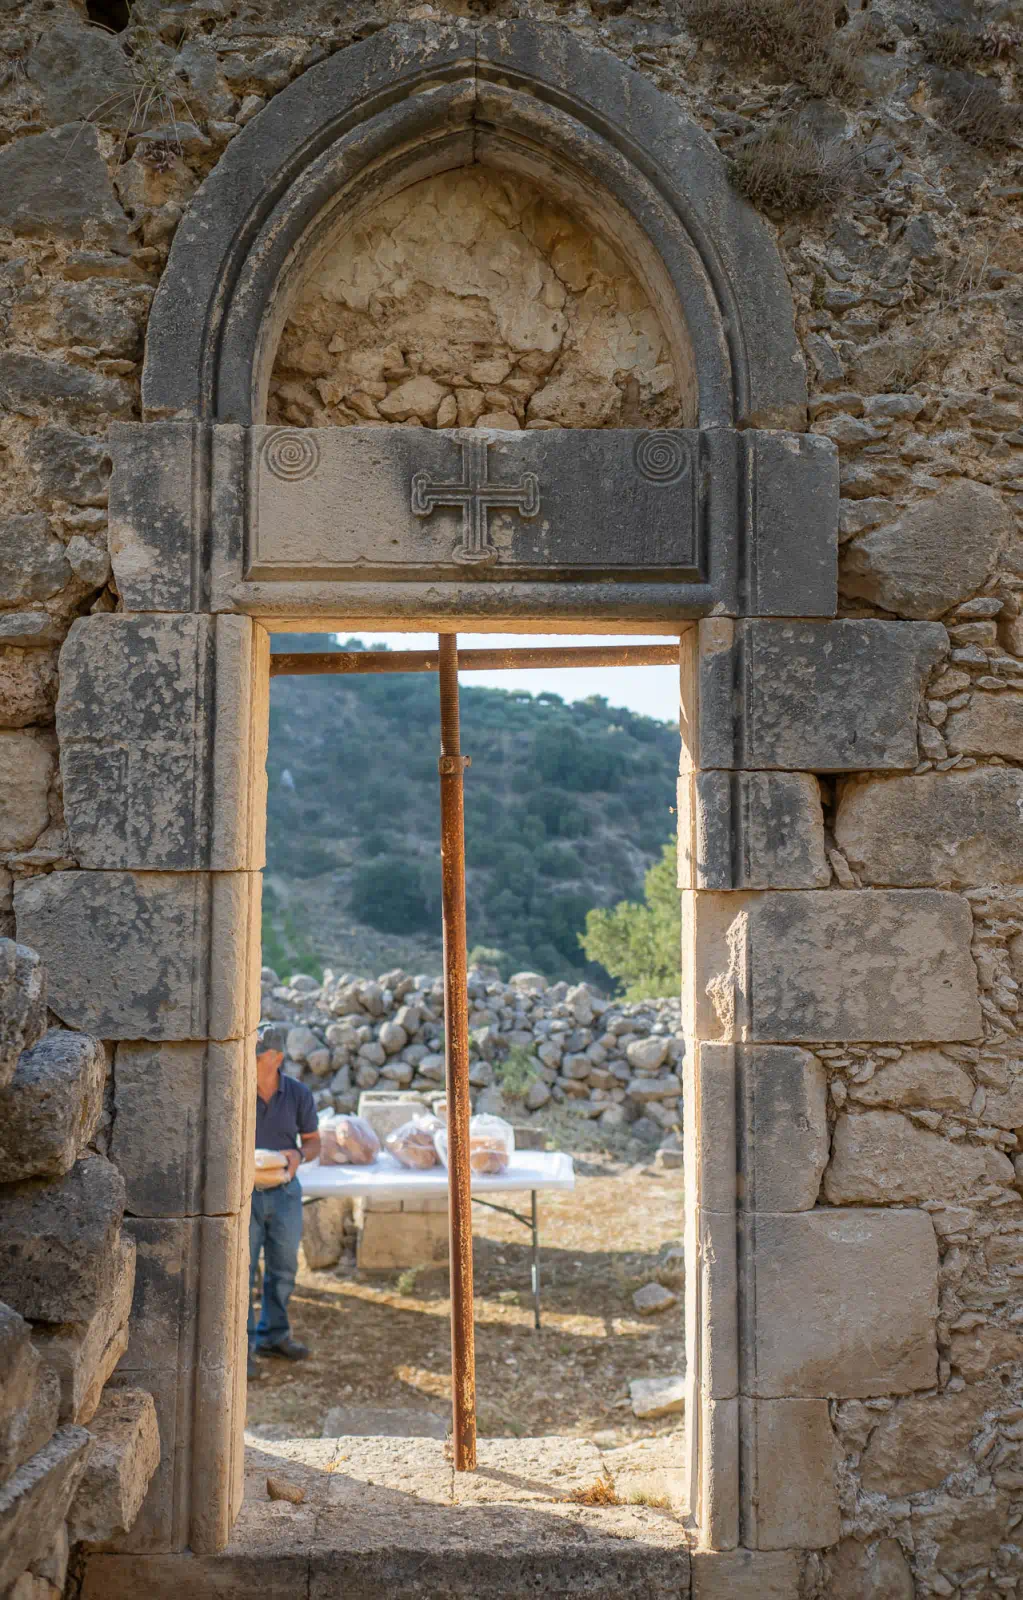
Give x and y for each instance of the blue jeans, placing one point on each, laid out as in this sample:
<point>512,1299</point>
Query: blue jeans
<point>275,1227</point>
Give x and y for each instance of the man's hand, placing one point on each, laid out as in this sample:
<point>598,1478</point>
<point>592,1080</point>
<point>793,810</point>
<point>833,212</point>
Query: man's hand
<point>293,1159</point>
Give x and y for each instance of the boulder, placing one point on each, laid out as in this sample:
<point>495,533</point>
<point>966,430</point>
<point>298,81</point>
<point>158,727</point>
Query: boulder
<point>923,1078</point>
<point>78,70</point>
<point>60,1244</point>
<point>990,725</point>
<point>125,1454</point>
<point>22,1004</point>
<point>56,185</point>
<point>27,765</point>
<point>28,684</point>
<point>70,466</point>
<point>29,1394</point>
<point>644,1090</point>
<point>35,1501</point>
<point>302,1042</point>
<point>647,1055</point>
<point>657,1397</point>
<point>323,1230</point>
<point>882,1158</point>
<point>33,565</point>
<point>876,1570</point>
<point>936,554</point>
<point>948,830</point>
<point>85,1353</point>
<point>50,1109</point>
<point>924,1438</point>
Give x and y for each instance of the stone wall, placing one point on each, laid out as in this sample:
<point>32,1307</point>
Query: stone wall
<point>907,297</point>
<point>76,1458</point>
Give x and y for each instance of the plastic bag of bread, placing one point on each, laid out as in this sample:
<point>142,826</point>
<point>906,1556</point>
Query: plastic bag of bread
<point>271,1169</point>
<point>353,1143</point>
<point>327,1122</point>
<point>491,1142</point>
<point>413,1143</point>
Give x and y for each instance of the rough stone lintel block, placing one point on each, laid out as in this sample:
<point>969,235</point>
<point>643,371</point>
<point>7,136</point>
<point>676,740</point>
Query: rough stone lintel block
<point>751,830</point>
<point>158,956</point>
<point>163,723</point>
<point>838,696</point>
<point>201,1094</point>
<point>820,965</point>
<point>789,1496</point>
<point>838,1303</point>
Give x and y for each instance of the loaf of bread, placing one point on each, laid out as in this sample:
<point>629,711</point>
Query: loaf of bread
<point>413,1143</point>
<point>350,1141</point>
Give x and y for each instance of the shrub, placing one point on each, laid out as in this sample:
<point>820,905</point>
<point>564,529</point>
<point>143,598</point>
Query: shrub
<point>786,170</point>
<point>798,36</point>
<point>979,113</point>
<point>517,1072</point>
<point>641,944</point>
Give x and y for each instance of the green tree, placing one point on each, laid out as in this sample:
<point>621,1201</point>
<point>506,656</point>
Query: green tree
<point>640,945</point>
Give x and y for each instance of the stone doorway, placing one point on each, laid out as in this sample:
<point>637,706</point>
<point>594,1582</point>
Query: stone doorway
<point>163,713</point>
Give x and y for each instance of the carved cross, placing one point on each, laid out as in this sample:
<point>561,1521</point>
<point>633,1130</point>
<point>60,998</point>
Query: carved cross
<point>475,494</point>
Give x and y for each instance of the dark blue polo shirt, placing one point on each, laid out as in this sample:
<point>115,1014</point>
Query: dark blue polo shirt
<point>290,1111</point>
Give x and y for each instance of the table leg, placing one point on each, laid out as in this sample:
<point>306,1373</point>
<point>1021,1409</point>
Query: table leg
<point>536,1262</point>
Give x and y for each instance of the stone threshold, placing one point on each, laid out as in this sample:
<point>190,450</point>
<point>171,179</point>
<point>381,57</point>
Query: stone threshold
<point>390,1517</point>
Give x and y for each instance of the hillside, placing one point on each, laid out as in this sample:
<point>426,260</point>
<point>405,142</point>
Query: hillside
<point>566,808</point>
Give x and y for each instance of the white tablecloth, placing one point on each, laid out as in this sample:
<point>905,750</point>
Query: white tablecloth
<point>387,1179</point>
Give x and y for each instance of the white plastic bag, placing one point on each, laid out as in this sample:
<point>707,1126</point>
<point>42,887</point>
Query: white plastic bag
<point>413,1143</point>
<point>491,1142</point>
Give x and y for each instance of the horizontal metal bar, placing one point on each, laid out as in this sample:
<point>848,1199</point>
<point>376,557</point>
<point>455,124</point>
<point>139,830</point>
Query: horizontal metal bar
<point>505,1210</point>
<point>347,662</point>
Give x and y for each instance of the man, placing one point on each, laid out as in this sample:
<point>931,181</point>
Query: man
<point>285,1120</point>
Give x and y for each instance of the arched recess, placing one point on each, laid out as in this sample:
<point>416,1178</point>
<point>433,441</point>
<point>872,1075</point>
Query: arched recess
<point>419,99</point>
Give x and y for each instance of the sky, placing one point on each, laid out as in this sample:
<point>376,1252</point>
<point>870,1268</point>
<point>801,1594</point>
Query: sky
<point>650,690</point>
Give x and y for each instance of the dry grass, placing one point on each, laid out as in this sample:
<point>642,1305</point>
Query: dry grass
<point>979,113</point>
<point>797,36</point>
<point>957,48</point>
<point>790,171</point>
<point>601,1492</point>
<point>156,98</point>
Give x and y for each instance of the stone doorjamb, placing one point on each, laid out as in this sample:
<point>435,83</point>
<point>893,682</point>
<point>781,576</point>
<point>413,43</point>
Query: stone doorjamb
<point>154,942</point>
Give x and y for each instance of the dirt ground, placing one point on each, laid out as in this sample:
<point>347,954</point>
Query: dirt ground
<point>382,1339</point>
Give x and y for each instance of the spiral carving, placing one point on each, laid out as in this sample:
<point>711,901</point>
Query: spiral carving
<point>291,455</point>
<point>660,457</point>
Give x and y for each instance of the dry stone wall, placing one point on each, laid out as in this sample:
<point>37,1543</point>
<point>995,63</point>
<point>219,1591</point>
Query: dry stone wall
<point>531,1045</point>
<point>907,300</point>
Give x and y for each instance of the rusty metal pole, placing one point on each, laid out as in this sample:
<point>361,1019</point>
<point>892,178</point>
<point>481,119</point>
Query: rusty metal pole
<point>456,1039</point>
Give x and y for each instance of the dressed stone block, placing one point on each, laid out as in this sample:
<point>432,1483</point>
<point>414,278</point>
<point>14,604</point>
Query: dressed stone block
<point>22,1004</point>
<point>427,523</point>
<point>949,829</point>
<point>789,1492</point>
<point>783,1127</point>
<point>838,696</point>
<point>751,830</point>
<point>202,1096</point>
<point>829,965</point>
<point>158,956</point>
<point>162,725</point>
<point>746,1575</point>
<point>838,1303</point>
